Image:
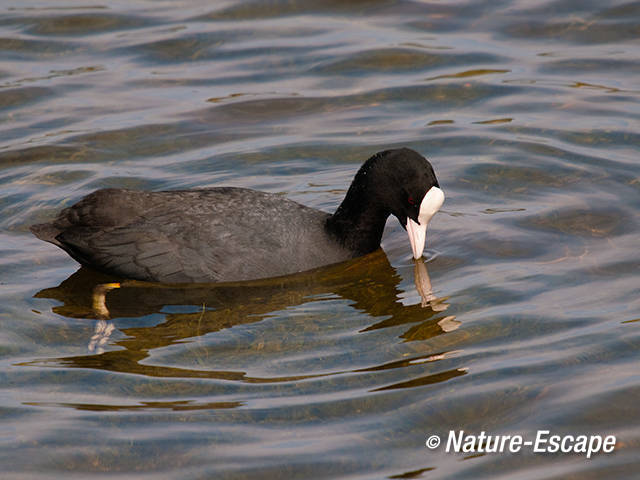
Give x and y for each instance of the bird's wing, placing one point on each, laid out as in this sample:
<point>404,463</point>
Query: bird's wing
<point>129,251</point>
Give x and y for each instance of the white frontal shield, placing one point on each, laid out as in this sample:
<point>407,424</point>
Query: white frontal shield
<point>431,203</point>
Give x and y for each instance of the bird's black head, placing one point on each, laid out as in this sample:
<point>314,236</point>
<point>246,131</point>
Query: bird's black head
<point>400,179</point>
<point>399,182</point>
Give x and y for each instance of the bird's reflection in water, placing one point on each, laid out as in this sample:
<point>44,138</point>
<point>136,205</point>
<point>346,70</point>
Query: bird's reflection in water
<point>370,283</point>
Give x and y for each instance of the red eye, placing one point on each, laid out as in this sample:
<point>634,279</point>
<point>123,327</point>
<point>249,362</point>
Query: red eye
<point>411,201</point>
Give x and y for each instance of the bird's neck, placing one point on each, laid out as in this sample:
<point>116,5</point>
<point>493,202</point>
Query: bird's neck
<point>358,223</point>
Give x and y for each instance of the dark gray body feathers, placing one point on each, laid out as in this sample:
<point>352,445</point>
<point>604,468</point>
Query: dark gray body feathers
<point>207,235</point>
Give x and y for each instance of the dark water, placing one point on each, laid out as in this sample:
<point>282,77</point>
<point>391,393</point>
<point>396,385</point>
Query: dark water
<point>529,111</point>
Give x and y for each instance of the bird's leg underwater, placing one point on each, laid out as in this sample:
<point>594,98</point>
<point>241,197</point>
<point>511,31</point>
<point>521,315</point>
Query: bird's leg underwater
<point>104,328</point>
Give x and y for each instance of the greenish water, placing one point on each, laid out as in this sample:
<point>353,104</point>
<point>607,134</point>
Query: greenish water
<point>530,114</point>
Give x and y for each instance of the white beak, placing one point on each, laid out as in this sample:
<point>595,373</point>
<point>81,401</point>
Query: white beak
<point>431,203</point>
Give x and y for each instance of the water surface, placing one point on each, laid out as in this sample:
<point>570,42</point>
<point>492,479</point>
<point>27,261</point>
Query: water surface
<point>529,112</point>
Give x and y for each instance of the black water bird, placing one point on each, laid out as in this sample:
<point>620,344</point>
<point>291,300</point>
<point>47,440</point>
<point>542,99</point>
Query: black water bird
<point>228,234</point>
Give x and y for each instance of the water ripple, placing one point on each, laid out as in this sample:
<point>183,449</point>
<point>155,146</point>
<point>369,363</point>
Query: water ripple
<point>523,316</point>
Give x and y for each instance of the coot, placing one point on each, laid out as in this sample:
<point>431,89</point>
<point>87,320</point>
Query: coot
<point>233,234</point>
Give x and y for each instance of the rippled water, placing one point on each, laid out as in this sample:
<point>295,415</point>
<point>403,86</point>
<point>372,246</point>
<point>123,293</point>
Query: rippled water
<point>529,111</point>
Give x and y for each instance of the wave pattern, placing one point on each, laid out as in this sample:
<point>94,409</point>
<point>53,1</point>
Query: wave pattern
<point>528,316</point>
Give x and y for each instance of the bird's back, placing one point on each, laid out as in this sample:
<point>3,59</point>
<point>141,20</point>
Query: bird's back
<point>208,235</point>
